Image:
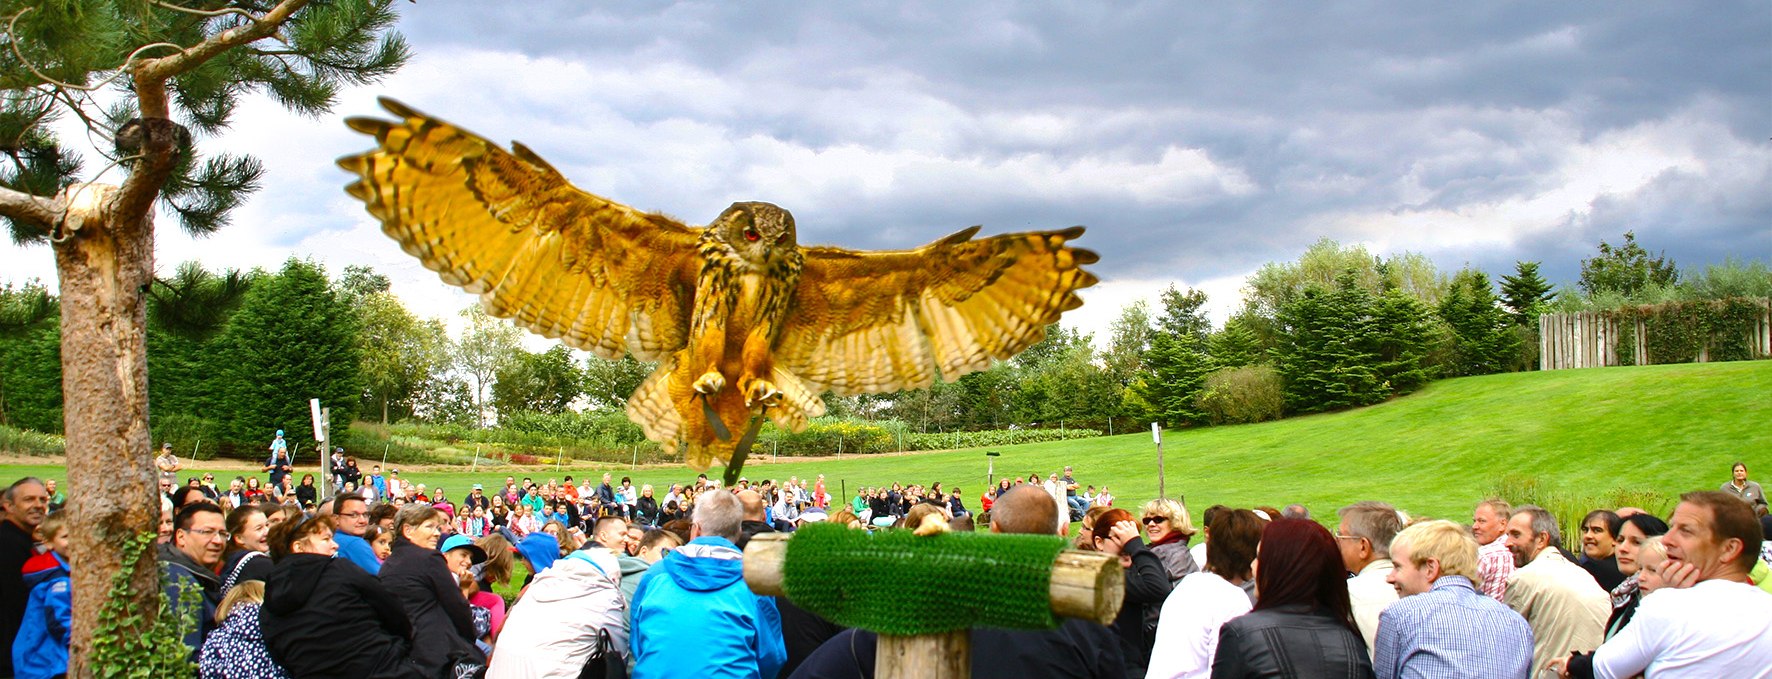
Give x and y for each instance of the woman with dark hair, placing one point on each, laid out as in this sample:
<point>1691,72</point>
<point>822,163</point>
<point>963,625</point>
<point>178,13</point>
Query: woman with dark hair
<point>1187,632</point>
<point>1631,533</point>
<point>326,617</point>
<point>1598,547</point>
<point>1147,584</point>
<point>247,556</point>
<point>306,494</point>
<point>417,574</point>
<point>1303,622</point>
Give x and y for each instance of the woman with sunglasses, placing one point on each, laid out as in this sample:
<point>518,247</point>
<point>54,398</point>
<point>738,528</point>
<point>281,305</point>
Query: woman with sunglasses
<point>1170,528</point>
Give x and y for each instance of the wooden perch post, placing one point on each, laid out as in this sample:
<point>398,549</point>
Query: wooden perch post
<point>1085,585</point>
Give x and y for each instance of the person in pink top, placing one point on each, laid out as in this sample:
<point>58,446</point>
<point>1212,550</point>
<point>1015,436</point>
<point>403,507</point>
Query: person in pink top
<point>820,498</point>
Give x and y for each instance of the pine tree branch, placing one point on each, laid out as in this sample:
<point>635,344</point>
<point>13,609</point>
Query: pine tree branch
<point>151,74</point>
<point>28,208</point>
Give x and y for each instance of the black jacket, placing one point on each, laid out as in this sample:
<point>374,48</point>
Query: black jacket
<point>1289,642</point>
<point>646,511</point>
<point>16,547</point>
<point>442,624</point>
<point>183,572</point>
<point>748,529</point>
<point>1147,585</point>
<point>326,617</point>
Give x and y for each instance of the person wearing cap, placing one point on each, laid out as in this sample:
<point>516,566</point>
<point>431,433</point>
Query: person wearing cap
<point>421,577</point>
<point>477,499</point>
<point>168,463</point>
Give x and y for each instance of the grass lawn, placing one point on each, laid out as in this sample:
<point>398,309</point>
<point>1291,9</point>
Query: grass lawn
<point>1660,429</point>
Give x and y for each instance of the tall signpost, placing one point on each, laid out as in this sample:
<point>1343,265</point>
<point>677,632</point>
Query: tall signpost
<point>322,433</point>
<point>1157,437</point>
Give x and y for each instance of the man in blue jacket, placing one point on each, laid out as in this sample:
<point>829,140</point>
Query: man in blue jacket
<point>693,615</point>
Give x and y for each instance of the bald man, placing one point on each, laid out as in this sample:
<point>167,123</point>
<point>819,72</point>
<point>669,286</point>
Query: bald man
<point>755,517</point>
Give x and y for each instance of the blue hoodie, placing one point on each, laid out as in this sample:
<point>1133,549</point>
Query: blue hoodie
<point>541,549</point>
<point>41,649</point>
<point>693,615</point>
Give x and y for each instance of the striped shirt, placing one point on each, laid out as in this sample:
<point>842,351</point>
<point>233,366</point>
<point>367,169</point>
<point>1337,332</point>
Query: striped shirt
<point>1494,564</point>
<point>1451,631</point>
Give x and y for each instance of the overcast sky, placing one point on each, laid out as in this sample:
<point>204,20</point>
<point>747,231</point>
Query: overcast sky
<point>1197,141</point>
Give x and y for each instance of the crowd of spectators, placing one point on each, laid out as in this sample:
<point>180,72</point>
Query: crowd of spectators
<point>366,575</point>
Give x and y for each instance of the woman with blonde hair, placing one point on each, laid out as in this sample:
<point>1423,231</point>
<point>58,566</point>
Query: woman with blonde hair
<point>1170,528</point>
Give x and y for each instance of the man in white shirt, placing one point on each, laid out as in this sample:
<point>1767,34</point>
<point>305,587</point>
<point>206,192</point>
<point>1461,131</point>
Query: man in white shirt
<point>1566,608</point>
<point>1364,537</point>
<point>1717,627</point>
<point>1494,562</point>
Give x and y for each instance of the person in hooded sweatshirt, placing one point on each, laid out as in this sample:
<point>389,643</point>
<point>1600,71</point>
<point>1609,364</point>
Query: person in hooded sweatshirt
<point>326,617</point>
<point>562,617</point>
<point>538,551</point>
<point>417,574</point>
<point>41,649</point>
<point>694,615</point>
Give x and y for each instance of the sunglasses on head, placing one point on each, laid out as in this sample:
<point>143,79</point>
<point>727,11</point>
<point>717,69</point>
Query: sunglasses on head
<point>1149,520</point>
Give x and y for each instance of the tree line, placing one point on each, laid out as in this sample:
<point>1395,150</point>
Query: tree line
<point>233,355</point>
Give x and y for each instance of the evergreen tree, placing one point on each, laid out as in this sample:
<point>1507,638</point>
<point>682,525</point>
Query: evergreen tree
<point>1524,293</point>
<point>1176,365</point>
<point>293,339</point>
<point>1324,352</point>
<point>1236,345</point>
<point>1484,340</point>
<point>1402,341</point>
<point>30,358</point>
<point>154,62</point>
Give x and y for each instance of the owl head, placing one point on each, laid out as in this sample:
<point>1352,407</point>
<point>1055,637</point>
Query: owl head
<point>758,232</point>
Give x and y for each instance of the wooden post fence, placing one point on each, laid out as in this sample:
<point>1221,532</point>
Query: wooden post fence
<point>1590,339</point>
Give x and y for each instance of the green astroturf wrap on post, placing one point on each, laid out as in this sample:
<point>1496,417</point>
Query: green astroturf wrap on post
<point>898,583</point>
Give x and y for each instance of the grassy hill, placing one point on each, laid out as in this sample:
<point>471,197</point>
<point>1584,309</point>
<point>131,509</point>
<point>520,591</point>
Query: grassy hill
<point>1571,438</point>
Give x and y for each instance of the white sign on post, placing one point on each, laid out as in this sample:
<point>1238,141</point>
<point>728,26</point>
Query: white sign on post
<point>1156,434</point>
<point>319,422</point>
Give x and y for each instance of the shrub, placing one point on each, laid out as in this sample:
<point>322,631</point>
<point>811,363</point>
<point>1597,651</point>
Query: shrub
<point>26,442</point>
<point>1569,507</point>
<point>1242,395</point>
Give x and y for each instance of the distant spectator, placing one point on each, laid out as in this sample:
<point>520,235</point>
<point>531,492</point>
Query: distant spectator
<point>1303,623</point>
<point>1748,491</point>
<point>168,463</point>
<point>1444,627</point>
<point>1295,511</point>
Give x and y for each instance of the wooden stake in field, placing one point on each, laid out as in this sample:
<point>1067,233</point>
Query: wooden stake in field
<point>1086,585</point>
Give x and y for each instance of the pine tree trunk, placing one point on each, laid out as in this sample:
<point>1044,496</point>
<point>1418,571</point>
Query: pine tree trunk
<point>105,267</point>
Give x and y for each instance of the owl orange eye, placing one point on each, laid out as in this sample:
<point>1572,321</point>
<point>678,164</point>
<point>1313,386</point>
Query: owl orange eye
<point>752,235</point>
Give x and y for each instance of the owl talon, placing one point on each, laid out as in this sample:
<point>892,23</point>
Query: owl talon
<point>710,382</point>
<point>762,392</point>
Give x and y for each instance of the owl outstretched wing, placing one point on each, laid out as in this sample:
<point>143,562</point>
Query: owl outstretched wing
<point>873,322</point>
<point>508,227</point>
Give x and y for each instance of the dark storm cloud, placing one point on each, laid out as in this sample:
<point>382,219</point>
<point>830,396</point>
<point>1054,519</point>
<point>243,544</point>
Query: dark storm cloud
<point>1327,118</point>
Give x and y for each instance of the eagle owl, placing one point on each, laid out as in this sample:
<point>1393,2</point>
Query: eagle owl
<point>743,321</point>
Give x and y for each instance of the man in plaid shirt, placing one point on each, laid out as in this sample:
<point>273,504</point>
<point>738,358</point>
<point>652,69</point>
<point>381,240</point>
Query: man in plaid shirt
<point>1494,562</point>
<point>1442,627</point>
